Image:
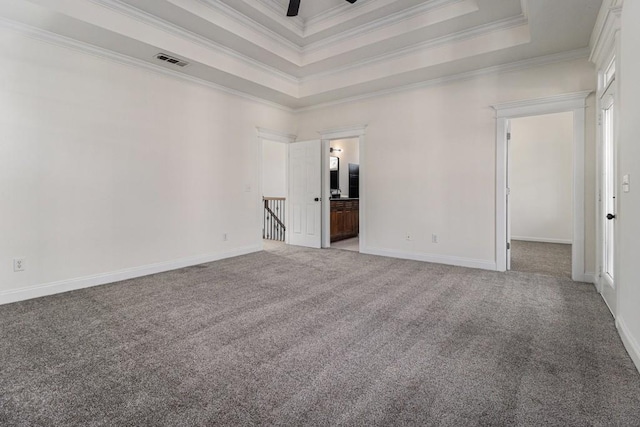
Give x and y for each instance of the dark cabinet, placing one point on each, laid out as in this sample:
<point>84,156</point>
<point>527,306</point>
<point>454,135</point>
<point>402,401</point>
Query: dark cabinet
<point>345,219</point>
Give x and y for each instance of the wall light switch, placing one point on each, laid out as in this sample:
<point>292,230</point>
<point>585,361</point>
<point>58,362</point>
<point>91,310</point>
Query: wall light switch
<point>626,184</point>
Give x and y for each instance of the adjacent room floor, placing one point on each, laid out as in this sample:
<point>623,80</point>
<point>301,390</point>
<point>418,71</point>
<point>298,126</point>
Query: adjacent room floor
<point>294,336</point>
<point>553,259</point>
<point>352,244</point>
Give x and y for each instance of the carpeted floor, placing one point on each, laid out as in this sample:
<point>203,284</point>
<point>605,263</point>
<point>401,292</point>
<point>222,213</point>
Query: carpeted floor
<point>553,259</point>
<point>317,337</point>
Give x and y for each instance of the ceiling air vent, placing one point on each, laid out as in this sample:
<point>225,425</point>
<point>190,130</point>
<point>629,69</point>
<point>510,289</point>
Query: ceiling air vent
<point>171,60</point>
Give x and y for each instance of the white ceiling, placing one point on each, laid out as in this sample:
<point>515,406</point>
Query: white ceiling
<point>333,50</point>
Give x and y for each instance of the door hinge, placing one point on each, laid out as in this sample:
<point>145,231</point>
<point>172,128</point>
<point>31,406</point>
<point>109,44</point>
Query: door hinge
<point>508,245</point>
<point>509,136</point>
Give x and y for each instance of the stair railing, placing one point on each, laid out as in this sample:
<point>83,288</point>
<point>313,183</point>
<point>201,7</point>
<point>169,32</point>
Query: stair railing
<point>273,218</point>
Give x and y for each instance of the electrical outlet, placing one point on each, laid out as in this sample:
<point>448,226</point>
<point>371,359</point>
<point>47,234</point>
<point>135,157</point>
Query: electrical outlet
<point>225,237</point>
<point>19,264</point>
<point>434,238</point>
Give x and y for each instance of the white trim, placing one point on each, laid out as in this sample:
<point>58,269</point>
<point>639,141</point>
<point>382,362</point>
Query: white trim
<point>252,24</point>
<point>69,43</point>
<point>386,21</point>
<point>343,132</point>
<point>433,258</point>
<point>504,68</point>
<point>632,346</point>
<point>52,288</point>
<point>590,278</point>
<point>547,105</point>
<point>543,240</point>
<point>274,135</point>
<point>604,34</point>
<point>571,102</point>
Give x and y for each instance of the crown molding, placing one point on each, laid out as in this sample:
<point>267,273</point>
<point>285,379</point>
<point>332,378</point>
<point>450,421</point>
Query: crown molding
<point>498,69</point>
<point>387,21</point>
<point>69,43</point>
<point>250,24</point>
<point>342,13</point>
<point>335,11</point>
<point>149,19</point>
<point>605,32</point>
<point>278,13</point>
<point>480,30</point>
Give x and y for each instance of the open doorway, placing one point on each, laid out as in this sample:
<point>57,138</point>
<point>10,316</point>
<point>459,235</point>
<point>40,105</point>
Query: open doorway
<point>575,104</point>
<point>540,202</point>
<point>344,181</point>
<point>274,193</point>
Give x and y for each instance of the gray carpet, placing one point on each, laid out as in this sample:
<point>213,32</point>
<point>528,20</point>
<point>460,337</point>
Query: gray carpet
<point>553,259</point>
<point>317,337</point>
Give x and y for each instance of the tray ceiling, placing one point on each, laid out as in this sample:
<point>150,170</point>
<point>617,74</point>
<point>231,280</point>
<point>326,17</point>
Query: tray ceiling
<point>333,50</point>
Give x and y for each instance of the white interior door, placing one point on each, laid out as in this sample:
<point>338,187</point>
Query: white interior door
<point>305,189</point>
<point>508,195</point>
<point>608,200</point>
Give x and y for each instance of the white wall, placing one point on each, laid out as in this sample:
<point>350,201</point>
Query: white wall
<point>429,160</point>
<point>628,220</point>
<point>109,168</point>
<point>350,154</point>
<point>274,169</point>
<point>541,178</point>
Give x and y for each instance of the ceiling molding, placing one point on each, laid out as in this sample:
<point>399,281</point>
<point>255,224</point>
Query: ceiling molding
<point>605,32</point>
<point>480,30</point>
<point>342,14</point>
<point>498,69</point>
<point>380,23</point>
<point>149,19</point>
<point>250,23</point>
<point>278,13</point>
<point>86,48</point>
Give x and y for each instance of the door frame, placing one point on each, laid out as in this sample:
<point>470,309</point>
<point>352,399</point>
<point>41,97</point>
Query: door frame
<point>274,136</point>
<point>326,137</point>
<point>570,102</point>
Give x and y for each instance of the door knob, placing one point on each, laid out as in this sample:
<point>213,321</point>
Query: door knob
<point>610,216</point>
<point>317,199</point>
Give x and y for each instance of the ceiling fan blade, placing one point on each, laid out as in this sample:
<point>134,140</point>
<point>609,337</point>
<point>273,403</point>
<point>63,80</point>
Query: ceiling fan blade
<point>294,7</point>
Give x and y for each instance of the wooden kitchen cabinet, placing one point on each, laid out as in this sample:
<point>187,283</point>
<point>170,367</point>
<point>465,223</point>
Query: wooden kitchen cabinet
<point>345,219</point>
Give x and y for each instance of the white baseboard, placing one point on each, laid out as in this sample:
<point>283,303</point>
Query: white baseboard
<point>543,240</point>
<point>632,346</point>
<point>438,259</point>
<point>37,291</point>
<point>588,278</point>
